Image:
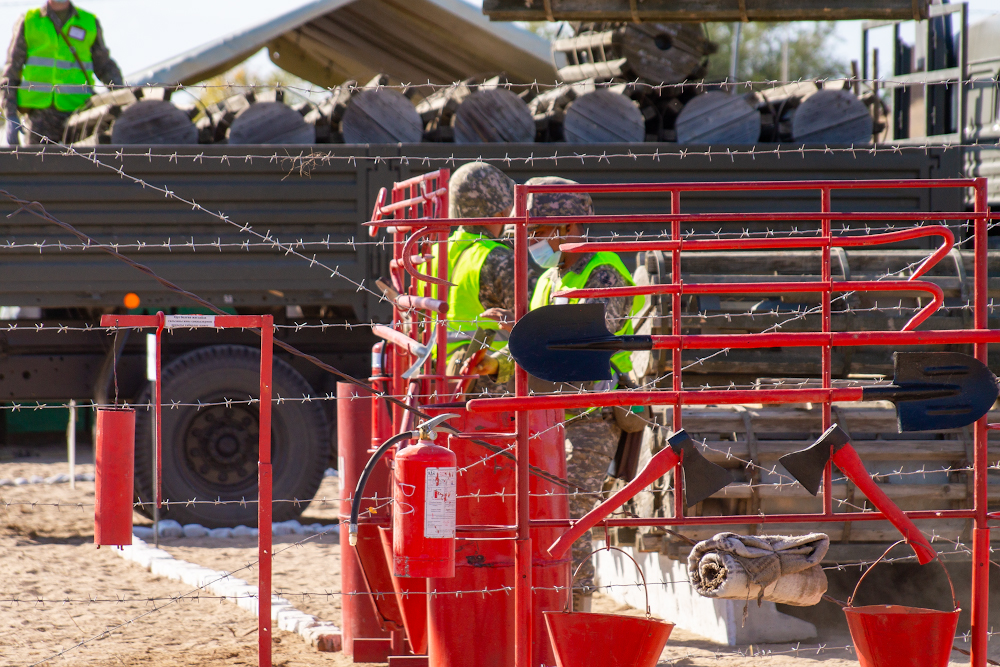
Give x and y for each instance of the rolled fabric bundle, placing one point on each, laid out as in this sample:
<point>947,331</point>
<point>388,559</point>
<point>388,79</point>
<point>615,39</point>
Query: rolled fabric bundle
<point>775,568</point>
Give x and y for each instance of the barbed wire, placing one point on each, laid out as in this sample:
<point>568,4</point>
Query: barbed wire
<point>538,87</point>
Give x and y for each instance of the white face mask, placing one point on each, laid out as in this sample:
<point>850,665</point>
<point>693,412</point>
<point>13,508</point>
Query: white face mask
<point>544,255</point>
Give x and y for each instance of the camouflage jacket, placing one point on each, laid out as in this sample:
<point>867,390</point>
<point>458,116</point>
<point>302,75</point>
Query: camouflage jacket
<point>105,68</point>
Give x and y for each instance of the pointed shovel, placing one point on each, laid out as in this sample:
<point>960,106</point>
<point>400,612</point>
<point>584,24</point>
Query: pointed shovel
<point>807,467</point>
<point>702,478</point>
<point>931,390</point>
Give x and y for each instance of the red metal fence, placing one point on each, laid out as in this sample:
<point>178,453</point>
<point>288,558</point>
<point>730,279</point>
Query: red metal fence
<point>424,224</point>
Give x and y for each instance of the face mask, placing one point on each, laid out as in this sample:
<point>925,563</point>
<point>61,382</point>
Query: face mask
<point>544,255</point>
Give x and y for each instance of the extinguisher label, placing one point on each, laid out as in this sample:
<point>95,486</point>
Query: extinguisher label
<point>439,502</point>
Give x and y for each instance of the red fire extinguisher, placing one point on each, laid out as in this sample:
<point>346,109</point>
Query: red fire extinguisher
<point>423,510</point>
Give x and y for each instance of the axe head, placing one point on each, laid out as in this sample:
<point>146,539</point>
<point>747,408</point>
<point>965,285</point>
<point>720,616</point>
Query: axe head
<point>702,478</point>
<point>807,465</point>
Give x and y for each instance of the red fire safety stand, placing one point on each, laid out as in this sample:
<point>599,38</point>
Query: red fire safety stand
<point>822,238</point>
<point>265,325</point>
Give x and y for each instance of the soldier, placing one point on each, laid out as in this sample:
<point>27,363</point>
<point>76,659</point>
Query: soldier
<point>591,435</point>
<point>53,57</point>
<point>480,265</point>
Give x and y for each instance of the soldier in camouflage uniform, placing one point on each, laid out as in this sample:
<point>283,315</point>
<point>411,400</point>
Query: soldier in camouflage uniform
<point>481,266</point>
<point>591,440</point>
<point>50,122</point>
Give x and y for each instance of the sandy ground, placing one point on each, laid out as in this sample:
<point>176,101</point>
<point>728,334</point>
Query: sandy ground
<point>46,553</point>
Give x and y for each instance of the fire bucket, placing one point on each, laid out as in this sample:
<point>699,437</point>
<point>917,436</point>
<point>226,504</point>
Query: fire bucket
<point>114,452</point>
<point>897,636</point>
<point>580,639</point>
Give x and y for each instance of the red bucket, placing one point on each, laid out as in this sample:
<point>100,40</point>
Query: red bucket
<point>582,639</point>
<point>898,636</point>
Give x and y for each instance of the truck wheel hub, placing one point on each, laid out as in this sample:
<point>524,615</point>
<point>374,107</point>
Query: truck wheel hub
<point>220,445</point>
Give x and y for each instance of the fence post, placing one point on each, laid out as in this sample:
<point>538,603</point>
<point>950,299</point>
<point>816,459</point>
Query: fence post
<point>71,443</point>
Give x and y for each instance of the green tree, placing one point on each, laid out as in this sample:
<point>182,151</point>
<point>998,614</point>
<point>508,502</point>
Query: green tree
<point>810,51</point>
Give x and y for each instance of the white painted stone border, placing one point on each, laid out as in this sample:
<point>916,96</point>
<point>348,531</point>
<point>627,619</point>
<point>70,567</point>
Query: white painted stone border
<point>323,635</point>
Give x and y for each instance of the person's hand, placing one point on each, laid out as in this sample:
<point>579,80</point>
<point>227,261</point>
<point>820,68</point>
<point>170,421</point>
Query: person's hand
<point>486,366</point>
<point>501,315</point>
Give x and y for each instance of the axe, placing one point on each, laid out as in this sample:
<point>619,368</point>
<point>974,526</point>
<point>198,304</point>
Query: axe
<point>702,478</point>
<point>419,350</point>
<point>807,467</point>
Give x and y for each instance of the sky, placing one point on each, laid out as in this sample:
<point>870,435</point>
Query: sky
<point>141,33</point>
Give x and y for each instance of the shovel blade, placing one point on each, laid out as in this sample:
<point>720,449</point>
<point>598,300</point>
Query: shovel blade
<point>702,478</point>
<point>533,337</point>
<point>973,390</point>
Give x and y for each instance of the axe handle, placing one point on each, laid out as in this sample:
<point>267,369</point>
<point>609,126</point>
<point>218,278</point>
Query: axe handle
<point>847,459</point>
<point>656,468</point>
<point>399,339</point>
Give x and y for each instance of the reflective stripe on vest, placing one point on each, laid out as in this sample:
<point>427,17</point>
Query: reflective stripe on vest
<point>467,253</point>
<point>550,282</point>
<point>51,76</point>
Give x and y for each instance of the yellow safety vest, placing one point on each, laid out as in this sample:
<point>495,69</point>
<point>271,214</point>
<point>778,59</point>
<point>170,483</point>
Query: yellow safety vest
<point>51,76</point>
<point>550,282</point>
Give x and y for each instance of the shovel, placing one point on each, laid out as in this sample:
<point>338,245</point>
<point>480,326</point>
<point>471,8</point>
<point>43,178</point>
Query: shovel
<point>807,467</point>
<point>702,478</point>
<point>931,390</point>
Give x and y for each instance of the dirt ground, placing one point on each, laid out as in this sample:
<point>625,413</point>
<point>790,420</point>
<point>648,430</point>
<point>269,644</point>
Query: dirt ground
<point>68,592</point>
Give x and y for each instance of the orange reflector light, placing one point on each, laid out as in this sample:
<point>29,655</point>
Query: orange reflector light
<point>132,300</point>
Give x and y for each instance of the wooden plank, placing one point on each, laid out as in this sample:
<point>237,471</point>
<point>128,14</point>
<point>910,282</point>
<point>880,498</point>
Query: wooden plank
<point>718,118</point>
<point>602,116</point>
<point>704,10</point>
<point>832,117</point>
<point>271,123</point>
<point>493,115</point>
<point>381,116</point>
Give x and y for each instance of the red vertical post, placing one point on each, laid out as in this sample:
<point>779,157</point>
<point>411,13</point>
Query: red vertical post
<point>264,496</point>
<point>675,329</point>
<point>981,532</point>
<point>161,320</point>
<point>522,545</point>
<point>440,208</point>
<point>827,278</point>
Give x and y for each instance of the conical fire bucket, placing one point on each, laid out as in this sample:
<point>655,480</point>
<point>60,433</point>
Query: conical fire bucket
<point>896,636</point>
<point>581,639</point>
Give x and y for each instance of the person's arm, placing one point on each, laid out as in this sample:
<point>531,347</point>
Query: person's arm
<point>616,309</point>
<point>17,56</point>
<point>105,67</point>
<point>496,280</point>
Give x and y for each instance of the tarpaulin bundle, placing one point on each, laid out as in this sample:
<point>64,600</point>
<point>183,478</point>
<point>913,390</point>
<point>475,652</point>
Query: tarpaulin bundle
<point>775,568</point>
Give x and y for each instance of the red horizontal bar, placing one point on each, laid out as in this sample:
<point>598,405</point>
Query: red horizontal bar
<point>770,287</point>
<point>406,203</point>
<point>759,185</point>
<point>816,242</point>
<point>750,519</point>
<point>631,219</point>
<point>693,397</point>
<point>150,321</point>
<point>818,338</point>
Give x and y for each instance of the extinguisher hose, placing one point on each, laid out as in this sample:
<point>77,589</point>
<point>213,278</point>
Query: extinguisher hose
<point>352,529</point>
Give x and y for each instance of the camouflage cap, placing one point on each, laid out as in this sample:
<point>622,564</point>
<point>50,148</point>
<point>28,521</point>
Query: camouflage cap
<point>479,190</point>
<point>558,203</point>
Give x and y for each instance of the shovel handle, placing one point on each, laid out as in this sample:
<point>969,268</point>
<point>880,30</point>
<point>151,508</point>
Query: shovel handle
<point>847,459</point>
<point>398,339</point>
<point>656,468</point>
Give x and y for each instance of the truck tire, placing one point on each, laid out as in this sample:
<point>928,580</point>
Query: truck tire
<point>210,453</point>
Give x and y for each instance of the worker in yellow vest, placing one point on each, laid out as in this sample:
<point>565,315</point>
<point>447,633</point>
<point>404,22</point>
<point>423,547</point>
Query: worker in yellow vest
<point>592,436</point>
<point>53,59</point>
<point>479,265</point>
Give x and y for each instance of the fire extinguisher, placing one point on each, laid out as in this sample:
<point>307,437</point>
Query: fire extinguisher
<point>423,517</point>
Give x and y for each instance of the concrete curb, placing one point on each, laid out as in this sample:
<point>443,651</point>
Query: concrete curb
<point>324,636</point>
